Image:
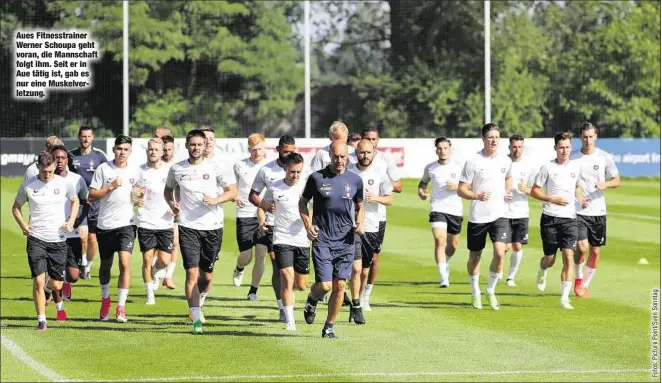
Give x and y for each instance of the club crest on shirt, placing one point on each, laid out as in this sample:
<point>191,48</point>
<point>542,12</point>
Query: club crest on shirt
<point>205,176</point>
<point>163,180</point>
<point>453,175</point>
<point>503,170</point>
<point>91,163</point>
<point>56,191</point>
<point>572,175</point>
<point>348,190</point>
<point>370,182</point>
<point>596,167</point>
<point>132,181</point>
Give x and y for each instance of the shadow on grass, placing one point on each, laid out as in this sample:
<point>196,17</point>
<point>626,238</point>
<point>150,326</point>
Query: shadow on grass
<point>404,283</point>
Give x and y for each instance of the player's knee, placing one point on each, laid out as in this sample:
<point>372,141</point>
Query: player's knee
<point>73,275</point>
<point>326,286</point>
<point>517,246</point>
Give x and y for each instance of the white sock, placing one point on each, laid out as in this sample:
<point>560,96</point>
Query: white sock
<point>83,261</point>
<point>41,318</point>
<point>65,278</point>
<point>441,269</point>
<point>475,288</point>
<point>195,313</point>
<point>515,260</point>
<point>88,267</point>
<point>590,272</point>
<point>367,291</point>
<point>448,267</point>
<point>149,286</point>
<point>579,271</point>
<point>289,314</point>
<point>203,297</point>
<point>59,305</point>
<point>565,291</point>
<point>492,281</point>
<point>170,269</point>
<point>280,304</point>
<point>105,290</point>
<point>122,294</point>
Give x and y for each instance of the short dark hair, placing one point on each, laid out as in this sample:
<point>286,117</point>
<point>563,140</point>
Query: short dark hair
<point>588,126</point>
<point>85,127</point>
<point>195,133</point>
<point>167,139</point>
<point>487,128</point>
<point>286,140</point>
<point>59,147</point>
<point>516,137</point>
<point>45,159</point>
<point>353,137</point>
<point>562,137</point>
<point>293,159</point>
<point>369,130</point>
<point>441,139</point>
<point>123,139</point>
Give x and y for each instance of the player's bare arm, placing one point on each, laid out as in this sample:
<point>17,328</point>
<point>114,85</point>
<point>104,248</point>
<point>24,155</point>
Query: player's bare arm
<point>579,194</point>
<point>613,183</point>
<point>261,217</point>
<point>464,191</point>
<point>230,193</point>
<point>97,194</point>
<point>509,188</point>
<point>18,216</point>
<point>69,225</point>
<point>169,195</point>
<point>539,194</point>
<point>423,190</point>
<point>360,217</point>
<point>397,186</point>
<point>307,221</point>
<point>386,200</point>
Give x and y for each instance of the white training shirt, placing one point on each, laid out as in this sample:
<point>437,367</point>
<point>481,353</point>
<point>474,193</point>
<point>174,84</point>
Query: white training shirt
<point>265,177</point>
<point>80,188</point>
<point>521,171</point>
<point>155,212</point>
<point>288,226</point>
<point>194,182</point>
<point>391,169</point>
<point>559,181</point>
<point>116,208</point>
<point>31,171</point>
<point>443,200</point>
<point>322,158</point>
<point>487,174</point>
<point>596,167</point>
<point>245,172</point>
<point>47,206</point>
<point>375,182</point>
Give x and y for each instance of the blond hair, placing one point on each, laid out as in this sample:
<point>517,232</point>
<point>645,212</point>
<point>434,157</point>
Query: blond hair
<point>255,139</point>
<point>52,141</point>
<point>338,128</point>
<point>155,140</point>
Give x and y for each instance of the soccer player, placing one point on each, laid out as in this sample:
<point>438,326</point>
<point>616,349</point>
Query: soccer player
<point>353,140</point>
<point>162,131</point>
<point>291,244</point>
<point>338,214</point>
<point>85,160</point>
<point>169,159</point>
<point>112,186</point>
<point>523,174</point>
<point>33,169</point>
<point>268,174</point>
<point>47,195</point>
<point>558,224</point>
<point>377,191</point>
<point>155,219</point>
<point>74,245</point>
<point>486,181</point>
<point>200,211</point>
<point>338,131</point>
<point>391,169</point>
<point>445,206</point>
<point>598,173</point>
<point>245,172</point>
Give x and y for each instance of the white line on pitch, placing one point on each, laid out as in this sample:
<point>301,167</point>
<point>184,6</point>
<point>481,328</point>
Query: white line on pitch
<point>370,374</point>
<point>18,352</point>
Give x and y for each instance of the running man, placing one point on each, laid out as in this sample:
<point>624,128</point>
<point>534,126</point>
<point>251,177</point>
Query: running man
<point>560,179</point>
<point>47,195</point>
<point>291,244</point>
<point>377,191</point>
<point>112,186</point>
<point>390,167</point>
<point>74,245</point>
<point>598,173</point>
<point>155,219</point>
<point>33,169</point>
<point>445,206</point>
<point>338,131</point>
<point>268,174</point>
<point>353,140</point>
<point>169,159</point>
<point>85,160</point>
<point>486,181</point>
<point>338,214</point>
<point>518,208</point>
<point>200,212</point>
<point>245,172</point>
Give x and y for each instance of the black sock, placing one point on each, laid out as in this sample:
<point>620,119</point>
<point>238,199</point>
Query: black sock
<point>311,301</point>
<point>356,303</point>
<point>239,269</point>
<point>328,324</point>
<point>253,290</point>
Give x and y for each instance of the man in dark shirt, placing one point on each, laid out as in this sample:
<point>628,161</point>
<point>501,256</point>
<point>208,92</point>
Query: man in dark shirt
<point>85,160</point>
<point>337,215</point>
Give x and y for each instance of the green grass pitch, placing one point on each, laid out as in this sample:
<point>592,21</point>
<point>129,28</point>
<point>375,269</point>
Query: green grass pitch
<point>416,331</point>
